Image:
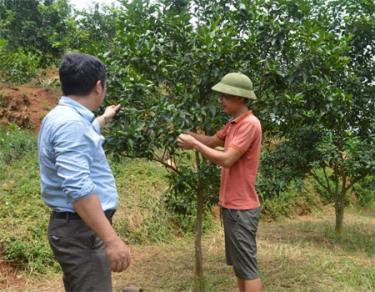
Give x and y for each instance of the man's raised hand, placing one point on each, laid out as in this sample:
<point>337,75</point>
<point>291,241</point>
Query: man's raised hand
<point>186,141</point>
<point>110,112</point>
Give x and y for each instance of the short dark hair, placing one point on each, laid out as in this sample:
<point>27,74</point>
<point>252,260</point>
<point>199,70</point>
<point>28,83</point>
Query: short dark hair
<point>79,73</point>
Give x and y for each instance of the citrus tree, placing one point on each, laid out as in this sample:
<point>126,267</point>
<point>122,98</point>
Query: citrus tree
<point>313,67</point>
<point>317,87</point>
<point>37,27</point>
<point>161,71</point>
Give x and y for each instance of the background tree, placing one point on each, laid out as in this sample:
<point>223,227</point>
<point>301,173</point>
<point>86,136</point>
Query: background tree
<point>324,111</point>
<point>93,30</point>
<point>36,26</point>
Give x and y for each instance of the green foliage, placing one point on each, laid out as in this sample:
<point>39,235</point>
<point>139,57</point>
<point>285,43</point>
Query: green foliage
<point>298,198</point>
<point>18,65</point>
<point>171,65</point>
<point>312,85</point>
<point>36,27</point>
<point>162,61</point>
<point>316,91</point>
<point>178,199</point>
<point>23,215</point>
<point>365,191</point>
<point>277,171</point>
<point>89,28</point>
<point>14,145</point>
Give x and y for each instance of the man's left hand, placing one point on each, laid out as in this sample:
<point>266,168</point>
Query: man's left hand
<point>186,141</point>
<point>110,112</point>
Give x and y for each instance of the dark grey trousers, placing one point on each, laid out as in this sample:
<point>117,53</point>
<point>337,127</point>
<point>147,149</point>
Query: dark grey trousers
<point>81,255</point>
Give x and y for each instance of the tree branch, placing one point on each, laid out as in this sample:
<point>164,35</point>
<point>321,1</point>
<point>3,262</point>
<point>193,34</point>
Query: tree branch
<point>336,180</point>
<point>319,181</point>
<point>357,179</point>
<point>327,179</point>
<point>167,165</point>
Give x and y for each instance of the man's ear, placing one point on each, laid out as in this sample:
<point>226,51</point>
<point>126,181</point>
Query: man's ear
<point>99,87</point>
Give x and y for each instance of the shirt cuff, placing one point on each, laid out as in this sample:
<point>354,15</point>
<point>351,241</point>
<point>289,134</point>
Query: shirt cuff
<point>87,188</point>
<point>96,126</point>
<point>238,148</point>
<point>220,136</point>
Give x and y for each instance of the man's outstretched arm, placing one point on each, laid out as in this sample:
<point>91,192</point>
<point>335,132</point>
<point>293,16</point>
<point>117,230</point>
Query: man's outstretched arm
<point>210,141</point>
<point>222,158</point>
<point>107,117</point>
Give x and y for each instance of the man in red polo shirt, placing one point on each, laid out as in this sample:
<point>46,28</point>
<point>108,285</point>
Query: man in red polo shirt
<point>241,138</point>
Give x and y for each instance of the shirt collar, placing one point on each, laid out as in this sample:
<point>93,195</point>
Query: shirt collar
<point>241,117</point>
<point>82,110</point>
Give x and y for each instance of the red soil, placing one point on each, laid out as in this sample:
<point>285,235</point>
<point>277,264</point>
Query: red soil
<point>24,105</point>
<point>9,276</point>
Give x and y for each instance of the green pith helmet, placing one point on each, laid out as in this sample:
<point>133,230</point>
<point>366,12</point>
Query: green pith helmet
<point>237,84</point>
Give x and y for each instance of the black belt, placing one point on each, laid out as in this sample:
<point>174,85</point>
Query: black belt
<point>74,216</point>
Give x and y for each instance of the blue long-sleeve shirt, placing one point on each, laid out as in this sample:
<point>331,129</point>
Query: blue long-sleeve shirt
<point>72,161</point>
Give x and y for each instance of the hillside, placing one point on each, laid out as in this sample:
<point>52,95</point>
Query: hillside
<point>25,105</point>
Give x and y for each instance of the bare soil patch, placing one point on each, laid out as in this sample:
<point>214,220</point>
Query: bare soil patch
<point>24,105</point>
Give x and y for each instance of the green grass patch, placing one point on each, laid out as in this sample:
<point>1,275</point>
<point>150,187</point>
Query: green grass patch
<point>294,254</point>
<point>141,216</point>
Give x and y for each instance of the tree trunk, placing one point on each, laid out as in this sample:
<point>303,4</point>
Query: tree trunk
<point>198,271</point>
<point>340,204</point>
<point>199,280</point>
<point>339,208</point>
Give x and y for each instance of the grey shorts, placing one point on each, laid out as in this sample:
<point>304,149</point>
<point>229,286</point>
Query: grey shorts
<point>240,228</point>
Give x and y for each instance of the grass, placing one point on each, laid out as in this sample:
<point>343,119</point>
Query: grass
<point>24,217</point>
<point>295,254</point>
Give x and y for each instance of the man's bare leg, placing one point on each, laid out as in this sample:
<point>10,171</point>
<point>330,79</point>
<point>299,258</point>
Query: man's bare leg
<point>249,285</point>
<point>241,285</point>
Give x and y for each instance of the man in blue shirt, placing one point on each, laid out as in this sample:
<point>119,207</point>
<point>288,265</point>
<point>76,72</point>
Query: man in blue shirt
<point>77,181</point>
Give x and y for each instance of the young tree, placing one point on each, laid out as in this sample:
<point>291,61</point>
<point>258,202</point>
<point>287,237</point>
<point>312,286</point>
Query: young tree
<point>161,71</point>
<point>36,26</point>
<point>325,111</point>
<point>313,66</point>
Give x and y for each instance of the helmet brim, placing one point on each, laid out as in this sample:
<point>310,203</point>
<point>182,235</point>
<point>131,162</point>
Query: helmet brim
<point>231,90</point>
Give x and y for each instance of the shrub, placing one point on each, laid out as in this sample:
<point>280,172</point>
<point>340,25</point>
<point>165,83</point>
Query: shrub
<point>17,66</point>
<point>297,199</point>
<point>365,191</point>
<point>14,144</point>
